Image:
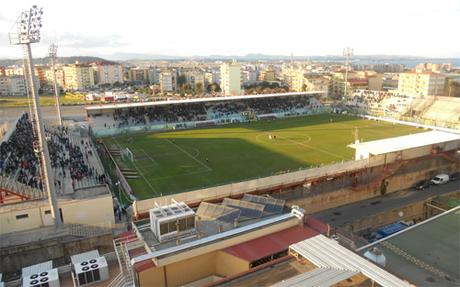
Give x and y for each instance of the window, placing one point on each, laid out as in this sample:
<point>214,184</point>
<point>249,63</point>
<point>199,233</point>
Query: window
<point>22,216</point>
<point>47,211</point>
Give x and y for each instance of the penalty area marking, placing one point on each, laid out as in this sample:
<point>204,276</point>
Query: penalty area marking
<point>188,154</point>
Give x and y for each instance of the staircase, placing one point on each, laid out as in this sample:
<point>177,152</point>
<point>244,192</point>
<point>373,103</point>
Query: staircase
<point>388,171</point>
<point>25,192</point>
<point>122,246</point>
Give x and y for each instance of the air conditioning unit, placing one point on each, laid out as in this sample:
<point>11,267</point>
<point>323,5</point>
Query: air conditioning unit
<point>90,270</point>
<point>40,275</point>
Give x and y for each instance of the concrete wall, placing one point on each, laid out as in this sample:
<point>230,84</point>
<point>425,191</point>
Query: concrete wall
<point>228,265</point>
<point>214,263</point>
<point>12,259</point>
<point>93,211</point>
<point>152,277</point>
<point>191,269</point>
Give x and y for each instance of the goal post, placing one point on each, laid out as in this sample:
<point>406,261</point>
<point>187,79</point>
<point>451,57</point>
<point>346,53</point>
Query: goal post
<point>127,155</point>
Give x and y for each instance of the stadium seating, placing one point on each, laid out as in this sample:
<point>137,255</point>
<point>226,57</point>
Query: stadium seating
<point>184,115</point>
<point>69,157</point>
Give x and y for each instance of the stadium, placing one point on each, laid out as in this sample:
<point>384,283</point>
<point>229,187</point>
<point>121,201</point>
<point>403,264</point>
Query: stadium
<point>224,189</point>
<point>227,140</point>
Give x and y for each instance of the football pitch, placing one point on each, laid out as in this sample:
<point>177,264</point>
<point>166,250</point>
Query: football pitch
<point>178,161</point>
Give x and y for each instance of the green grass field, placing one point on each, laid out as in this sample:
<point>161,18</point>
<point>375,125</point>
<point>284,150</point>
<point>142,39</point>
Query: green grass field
<point>173,162</point>
<point>48,100</point>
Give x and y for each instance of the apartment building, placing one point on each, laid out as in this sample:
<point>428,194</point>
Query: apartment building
<point>108,73</point>
<point>168,81</point>
<point>78,77</point>
<point>421,84</point>
<point>12,86</point>
<point>230,74</point>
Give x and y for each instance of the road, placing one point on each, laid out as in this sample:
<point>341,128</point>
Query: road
<point>49,113</point>
<point>350,213</point>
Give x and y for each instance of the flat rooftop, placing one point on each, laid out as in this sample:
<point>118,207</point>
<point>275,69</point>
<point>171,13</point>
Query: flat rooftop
<point>401,143</point>
<point>197,100</point>
<point>426,254</point>
<point>204,228</point>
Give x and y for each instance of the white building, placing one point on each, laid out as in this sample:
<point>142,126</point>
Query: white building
<point>230,77</point>
<point>12,86</point>
<point>108,73</point>
<point>168,81</point>
<point>154,76</point>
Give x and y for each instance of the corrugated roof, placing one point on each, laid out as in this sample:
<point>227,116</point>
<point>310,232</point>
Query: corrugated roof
<point>319,277</point>
<point>196,100</point>
<point>406,142</point>
<point>325,252</point>
<point>265,246</point>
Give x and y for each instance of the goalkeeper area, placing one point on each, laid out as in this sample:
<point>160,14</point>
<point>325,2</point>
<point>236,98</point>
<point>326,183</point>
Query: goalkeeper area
<point>184,160</point>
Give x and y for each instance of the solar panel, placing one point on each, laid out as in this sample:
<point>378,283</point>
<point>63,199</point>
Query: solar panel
<point>247,208</point>
<point>272,205</point>
<point>207,211</point>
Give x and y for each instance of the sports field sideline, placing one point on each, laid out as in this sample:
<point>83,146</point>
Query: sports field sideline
<point>178,161</point>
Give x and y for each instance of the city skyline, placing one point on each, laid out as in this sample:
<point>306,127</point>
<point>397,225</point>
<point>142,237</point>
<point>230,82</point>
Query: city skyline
<point>199,28</point>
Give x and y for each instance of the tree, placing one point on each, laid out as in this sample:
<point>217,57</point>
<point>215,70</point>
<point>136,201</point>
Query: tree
<point>453,89</point>
<point>199,88</point>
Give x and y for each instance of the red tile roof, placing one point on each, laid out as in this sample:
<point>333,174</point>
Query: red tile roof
<point>271,244</point>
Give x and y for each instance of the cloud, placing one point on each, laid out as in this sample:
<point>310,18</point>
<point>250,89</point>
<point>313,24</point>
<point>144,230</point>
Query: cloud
<point>80,41</point>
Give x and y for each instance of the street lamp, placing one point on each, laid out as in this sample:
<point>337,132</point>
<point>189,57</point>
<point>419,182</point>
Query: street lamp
<point>347,53</point>
<point>27,32</point>
<point>52,51</point>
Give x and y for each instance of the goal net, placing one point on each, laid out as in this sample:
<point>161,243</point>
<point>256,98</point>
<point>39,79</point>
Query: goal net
<point>127,155</point>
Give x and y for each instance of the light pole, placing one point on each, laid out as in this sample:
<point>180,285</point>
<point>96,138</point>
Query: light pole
<point>52,51</point>
<point>347,52</point>
<point>28,31</point>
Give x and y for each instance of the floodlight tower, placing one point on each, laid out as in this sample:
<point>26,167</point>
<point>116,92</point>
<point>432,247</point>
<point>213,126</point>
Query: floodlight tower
<point>52,51</point>
<point>347,52</point>
<point>27,32</point>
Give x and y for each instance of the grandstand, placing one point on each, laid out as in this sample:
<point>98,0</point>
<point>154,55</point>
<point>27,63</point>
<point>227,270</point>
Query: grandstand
<point>435,111</point>
<point>178,114</point>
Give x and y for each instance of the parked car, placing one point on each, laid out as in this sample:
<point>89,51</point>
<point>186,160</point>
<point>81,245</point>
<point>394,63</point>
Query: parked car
<point>422,184</point>
<point>440,179</point>
<point>454,176</point>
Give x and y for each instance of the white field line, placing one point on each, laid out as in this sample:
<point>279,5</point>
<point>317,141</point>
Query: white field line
<point>311,147</point>
<point>188,154</point>
<point>149,157</point>
<point>138,170</point>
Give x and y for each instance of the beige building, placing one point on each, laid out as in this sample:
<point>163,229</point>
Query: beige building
<point>421,84</point>
<point>88,207</point>
<point>317,82</point>
<point>108,73</point>
<point>267,76</point>
<point>140,75</point>
<point>49,78</point>
<point>78,77</point>
<point>230,77</point>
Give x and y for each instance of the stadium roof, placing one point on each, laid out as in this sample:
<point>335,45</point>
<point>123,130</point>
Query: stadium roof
<point>405,142</point>
<point>197,100</point>
<point>271,244</point>
<point>425,253</point>
<point>319,277</point>
<point>327,253</point>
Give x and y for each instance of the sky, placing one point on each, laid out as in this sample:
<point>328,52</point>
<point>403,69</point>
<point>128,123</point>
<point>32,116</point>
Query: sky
<point>426,28</point>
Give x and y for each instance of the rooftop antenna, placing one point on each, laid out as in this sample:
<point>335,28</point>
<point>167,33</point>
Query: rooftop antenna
<point>27,32</point>
<point>347,52</point>
<point>52,51</point>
